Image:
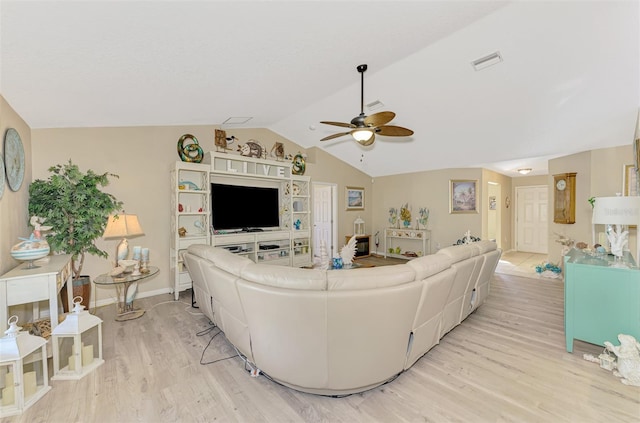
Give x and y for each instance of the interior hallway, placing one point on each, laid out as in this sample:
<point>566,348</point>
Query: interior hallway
<point>519,263</point>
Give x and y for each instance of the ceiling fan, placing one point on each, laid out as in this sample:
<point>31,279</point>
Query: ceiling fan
<point>364,128</point>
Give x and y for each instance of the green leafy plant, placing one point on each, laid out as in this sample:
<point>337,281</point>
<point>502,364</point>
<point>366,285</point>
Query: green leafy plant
<point>72,203</point>
<point>592,201</point>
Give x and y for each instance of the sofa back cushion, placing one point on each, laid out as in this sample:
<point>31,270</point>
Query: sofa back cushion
<point>370,278</point>
<point>288,332</point>
<point>285,277</point>
<point>201,290</point>
<point>430,265</point>
<point>369,332</point>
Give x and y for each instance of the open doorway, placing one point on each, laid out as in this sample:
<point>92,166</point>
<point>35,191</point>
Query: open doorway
<point>494,217</point>
<point>325,212</point>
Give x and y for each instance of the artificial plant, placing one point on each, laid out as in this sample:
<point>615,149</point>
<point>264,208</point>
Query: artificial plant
<point>72,203</point>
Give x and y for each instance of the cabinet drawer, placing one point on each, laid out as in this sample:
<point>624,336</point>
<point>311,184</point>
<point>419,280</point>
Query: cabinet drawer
<point>272,236</point>
<point>233,239</point>
<point>20,291</point>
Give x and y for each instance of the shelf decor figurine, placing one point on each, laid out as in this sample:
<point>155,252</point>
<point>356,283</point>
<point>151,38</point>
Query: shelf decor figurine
<point>192,152</point>
<point>405,215</point>
<point>424,218</point>
<point>348,252</point>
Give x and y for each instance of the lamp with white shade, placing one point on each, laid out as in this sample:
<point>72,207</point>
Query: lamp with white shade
<point>122,226</point>
<point>619,212</point>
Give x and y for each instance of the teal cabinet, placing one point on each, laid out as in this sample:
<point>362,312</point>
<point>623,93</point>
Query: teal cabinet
<point>600,301</point>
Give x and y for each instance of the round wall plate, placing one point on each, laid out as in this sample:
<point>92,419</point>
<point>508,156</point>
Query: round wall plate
<point>14,159</point>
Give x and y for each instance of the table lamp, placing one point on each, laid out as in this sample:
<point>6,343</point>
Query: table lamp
<point>122,226</point>
<point>619,211</point>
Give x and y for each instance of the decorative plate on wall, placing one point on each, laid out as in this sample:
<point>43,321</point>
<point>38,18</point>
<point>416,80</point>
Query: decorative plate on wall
<point>1,177</point>
<point>14,159</point>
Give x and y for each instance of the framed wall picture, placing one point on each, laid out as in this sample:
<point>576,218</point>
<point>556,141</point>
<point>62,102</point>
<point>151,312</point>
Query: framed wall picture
<point>462,196</point>
<point>355,198</point>
<point>630,181</point>
<point>492,202</point>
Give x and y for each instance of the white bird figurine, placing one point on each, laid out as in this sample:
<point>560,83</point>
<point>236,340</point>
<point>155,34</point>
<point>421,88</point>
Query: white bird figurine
<point>348,252</point>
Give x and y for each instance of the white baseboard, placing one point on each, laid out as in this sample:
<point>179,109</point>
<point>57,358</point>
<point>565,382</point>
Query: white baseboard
<point>113,300</point>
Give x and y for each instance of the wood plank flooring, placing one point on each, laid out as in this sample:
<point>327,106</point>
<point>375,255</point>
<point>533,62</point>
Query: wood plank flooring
<point>505,363</point>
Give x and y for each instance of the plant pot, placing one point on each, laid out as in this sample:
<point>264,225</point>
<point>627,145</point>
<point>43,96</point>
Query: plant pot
<point>82,288</point>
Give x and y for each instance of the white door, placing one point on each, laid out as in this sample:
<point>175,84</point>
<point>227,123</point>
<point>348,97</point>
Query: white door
<point>532,219</point>
<point>323,217</point>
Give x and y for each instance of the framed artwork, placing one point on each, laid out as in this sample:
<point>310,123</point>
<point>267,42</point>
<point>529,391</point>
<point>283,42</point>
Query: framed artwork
<point>355,198</point>
<point>492,202</point>
<point>629,181</point>
<point>462,196</point>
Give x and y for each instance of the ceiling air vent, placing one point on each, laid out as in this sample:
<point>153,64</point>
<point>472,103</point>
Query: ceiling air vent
<point>374,105</point>
<point>236,121</point>
<point>486,61</point>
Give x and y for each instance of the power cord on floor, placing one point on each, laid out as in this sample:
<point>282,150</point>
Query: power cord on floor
<point>204,332</point>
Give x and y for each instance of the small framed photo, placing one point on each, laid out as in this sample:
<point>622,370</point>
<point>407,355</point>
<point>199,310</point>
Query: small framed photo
<point>462,196</point>
<point>629,181</point>
<point>492,202</point>
<point>355,198</point>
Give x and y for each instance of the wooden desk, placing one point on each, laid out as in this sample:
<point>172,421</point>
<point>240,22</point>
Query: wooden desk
<point>21,286</point>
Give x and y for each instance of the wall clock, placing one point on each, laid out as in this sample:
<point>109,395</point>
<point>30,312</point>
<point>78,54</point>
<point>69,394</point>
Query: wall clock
<point>13,159</point>
<point>564,198</point>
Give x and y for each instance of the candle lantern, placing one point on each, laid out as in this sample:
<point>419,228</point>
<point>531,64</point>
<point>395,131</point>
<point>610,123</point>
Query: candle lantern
<point>77,344</point>
<point>24,377</point>
<point>358,226</point>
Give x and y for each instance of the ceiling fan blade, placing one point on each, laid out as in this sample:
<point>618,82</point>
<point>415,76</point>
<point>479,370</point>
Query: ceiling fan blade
<point>330,137</point>
<point>344,125</point>
<point>379,119</point>
<point>393,131</point>
<point>369,141</point>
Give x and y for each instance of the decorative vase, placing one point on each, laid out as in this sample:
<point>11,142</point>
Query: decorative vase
<point>406,223</point>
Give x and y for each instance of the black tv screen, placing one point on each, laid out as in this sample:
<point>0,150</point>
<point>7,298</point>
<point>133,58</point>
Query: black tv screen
<point>244,207</point>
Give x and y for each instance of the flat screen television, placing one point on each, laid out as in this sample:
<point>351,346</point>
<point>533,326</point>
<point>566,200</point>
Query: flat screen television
<point>244,207</point>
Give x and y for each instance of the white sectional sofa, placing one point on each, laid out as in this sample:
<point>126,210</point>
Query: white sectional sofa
<point>337,332</point>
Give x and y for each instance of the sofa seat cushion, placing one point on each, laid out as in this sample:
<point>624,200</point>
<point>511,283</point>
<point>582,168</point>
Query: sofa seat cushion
<point>430,265</point>
<point>369,278</point>
<point>285,277</point>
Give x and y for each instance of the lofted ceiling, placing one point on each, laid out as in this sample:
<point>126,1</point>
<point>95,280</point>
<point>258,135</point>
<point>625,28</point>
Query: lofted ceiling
<point>569,80</point>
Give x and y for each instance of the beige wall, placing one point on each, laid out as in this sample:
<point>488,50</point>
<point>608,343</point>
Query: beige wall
<point>428,189</point>
<point>142,157</point>
<point>599,173</point>
<point>14,219</point>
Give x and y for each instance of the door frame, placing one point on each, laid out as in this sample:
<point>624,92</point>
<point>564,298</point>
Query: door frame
<point>331,249</point>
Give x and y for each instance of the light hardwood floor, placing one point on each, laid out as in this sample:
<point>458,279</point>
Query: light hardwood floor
<point>506,362</point>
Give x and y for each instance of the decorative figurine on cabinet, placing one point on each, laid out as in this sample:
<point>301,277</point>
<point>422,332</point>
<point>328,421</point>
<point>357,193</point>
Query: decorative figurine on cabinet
<point>251,148</point>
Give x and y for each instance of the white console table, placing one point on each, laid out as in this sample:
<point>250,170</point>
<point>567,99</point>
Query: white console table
<point>22,286</point>
<point>399,238</point>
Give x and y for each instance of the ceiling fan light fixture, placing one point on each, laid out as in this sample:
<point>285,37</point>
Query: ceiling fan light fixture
<point>524,171</point>
<point>362,134</point>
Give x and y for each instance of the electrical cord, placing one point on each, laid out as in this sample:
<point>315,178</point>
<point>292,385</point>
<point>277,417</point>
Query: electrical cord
<point>204,332</point>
